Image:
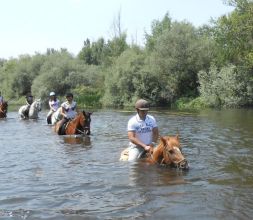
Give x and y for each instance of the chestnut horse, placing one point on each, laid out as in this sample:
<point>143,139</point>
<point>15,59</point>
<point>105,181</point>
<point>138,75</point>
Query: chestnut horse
<point>79,125</point>
<point>167,152</point>
<point>3,109</point>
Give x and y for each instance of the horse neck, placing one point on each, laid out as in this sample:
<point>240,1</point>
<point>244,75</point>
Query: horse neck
<point>158,152</point>
<point>77,120</point>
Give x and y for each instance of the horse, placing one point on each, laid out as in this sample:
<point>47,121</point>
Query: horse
<point>32,112</point>
<point>3,109</point>
<point>78,125</point>
<point>55,117</point>
<point>167,152</point>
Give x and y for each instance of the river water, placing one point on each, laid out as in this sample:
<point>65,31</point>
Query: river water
<point>46,176</point>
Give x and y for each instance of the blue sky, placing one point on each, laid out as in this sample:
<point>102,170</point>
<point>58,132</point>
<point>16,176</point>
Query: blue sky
<point>29,26</point>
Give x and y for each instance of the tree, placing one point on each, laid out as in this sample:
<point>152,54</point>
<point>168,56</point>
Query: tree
<point>233,35</point>
<point>157,29</point>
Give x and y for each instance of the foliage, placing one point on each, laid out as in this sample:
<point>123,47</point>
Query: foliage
<point>180,65</point>
<point>226,87</point>
<point>177,57</point>
<point>121,78</point>
<point>88,96</point>
<point>100,52</point>
<point>157,29</point>
<point>233,35</point>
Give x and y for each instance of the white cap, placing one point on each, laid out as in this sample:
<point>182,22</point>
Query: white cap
<point>52,93</point>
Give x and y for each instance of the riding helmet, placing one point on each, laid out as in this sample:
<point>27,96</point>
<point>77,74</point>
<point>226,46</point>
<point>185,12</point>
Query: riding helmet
<point>69,95</point>
<point>142,104</point>
<point>52,94</point>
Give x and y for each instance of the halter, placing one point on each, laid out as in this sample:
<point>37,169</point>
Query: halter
<point>178,164</point>
<point>85,128</point>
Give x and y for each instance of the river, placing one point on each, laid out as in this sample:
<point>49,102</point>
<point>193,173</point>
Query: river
<point>46,176</point>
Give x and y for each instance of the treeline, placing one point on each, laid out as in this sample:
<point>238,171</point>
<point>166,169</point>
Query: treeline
<point>180,65</point>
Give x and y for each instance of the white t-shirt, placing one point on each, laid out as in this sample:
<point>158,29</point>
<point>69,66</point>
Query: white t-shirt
<point>1,99</point>
<point>142,128</point>
<point>54,104</point>
<point>70,109</point>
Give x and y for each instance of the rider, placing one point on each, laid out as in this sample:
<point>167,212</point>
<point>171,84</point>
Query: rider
<point>54,104</point>
<point>68,109</point>
<point>29,101</point>
<point>142,131</point>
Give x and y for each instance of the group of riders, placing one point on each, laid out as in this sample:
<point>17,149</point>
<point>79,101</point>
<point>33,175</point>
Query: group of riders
<point>64,112</point>
<point>142,128</point>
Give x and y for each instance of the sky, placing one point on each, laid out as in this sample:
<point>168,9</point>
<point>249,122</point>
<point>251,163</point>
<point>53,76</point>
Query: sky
<point>32,26</point>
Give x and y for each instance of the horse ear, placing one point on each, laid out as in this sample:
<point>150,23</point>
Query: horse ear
<point>163,139</point>
<point>177,136</point>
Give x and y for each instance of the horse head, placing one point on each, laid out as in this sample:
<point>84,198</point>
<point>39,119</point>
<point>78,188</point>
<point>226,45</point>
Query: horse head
<point>83,120</point>
<point>34,109</point>
<point>37,104</point>
<point>86,122</point>
<point>172,154</point>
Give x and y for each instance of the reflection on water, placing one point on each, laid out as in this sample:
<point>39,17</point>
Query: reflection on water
<point>77,139</point>
<point>46,176</point>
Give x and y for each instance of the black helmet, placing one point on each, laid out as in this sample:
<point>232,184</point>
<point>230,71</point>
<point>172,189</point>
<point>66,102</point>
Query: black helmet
<point>142,104</point>
<point>69,94</point>
<point>28,95</point>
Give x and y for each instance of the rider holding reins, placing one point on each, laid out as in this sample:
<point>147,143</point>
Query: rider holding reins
<point>142,131</point>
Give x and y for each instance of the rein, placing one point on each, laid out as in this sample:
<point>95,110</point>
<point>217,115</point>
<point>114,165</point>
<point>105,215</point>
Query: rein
<point>82,132</point>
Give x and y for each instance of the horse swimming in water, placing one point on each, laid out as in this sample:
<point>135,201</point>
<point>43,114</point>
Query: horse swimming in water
<point>78,125</point>
<point>3,109</point>
<point>30,112</point>
<point>167,152</point>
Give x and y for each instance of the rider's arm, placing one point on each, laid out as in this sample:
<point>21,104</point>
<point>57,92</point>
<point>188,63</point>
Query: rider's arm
<point>132,137</point>
<point>63,113</point>
<point>155,134</point>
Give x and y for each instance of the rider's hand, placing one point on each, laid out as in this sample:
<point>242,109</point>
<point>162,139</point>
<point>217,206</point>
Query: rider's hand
<point>148,148</point>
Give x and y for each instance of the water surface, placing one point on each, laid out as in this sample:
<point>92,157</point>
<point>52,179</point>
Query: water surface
<point>46,176</point>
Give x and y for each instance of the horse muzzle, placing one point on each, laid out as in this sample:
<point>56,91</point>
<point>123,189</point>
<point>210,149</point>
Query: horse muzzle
<point>182,165</point>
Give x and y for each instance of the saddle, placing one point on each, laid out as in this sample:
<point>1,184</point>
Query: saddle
<point>63,127</point>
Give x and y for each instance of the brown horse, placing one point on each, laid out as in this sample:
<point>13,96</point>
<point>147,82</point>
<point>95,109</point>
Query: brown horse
<point>79,125</point>
<point>3,109</point>
<point>167,152</point>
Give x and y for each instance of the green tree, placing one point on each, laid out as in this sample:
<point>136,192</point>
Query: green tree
<point>178,55</point>
<point>233,35</point>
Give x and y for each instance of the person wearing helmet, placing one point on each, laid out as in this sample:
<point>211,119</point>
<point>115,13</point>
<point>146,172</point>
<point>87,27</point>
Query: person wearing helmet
<point>54,104</point>
<point>142,131</point>
<point>29,101</point>
<point>69,107</point>
<point>68,110</point>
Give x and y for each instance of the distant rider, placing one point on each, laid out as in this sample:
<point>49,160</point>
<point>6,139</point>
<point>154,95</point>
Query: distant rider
<point>29,101</point>
<point>54,104</point>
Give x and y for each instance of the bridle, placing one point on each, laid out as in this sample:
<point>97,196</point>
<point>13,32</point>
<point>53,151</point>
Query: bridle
<point>178,164</point>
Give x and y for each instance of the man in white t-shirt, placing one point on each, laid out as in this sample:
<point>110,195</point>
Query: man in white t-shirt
<point>142,131</point>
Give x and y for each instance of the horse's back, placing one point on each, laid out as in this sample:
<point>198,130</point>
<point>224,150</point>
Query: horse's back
<point>124,154</point>
<point>22,110</point>
<point>55,116</point>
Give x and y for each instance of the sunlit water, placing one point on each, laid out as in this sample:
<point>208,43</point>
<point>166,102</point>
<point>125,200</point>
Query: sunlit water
<point>46,176</point>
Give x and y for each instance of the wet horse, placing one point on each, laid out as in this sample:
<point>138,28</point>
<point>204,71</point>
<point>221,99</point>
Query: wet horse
<point>3,109</point>
<point>167,152</point>
<point>32,112</point>
<point>79,125</point>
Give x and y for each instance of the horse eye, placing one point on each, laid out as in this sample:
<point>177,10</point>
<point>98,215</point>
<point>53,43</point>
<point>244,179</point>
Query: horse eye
<point>171,151</point>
